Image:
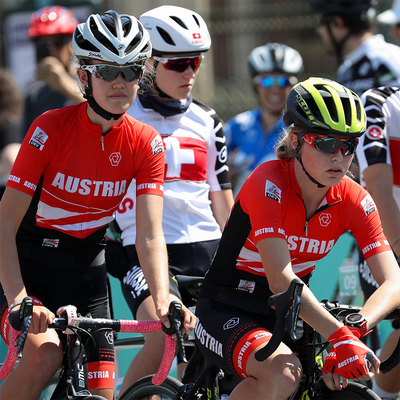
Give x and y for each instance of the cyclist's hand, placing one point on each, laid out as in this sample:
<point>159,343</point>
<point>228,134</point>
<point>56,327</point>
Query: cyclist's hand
<point>335,381</point>
<point>350,357</point>
<point>41,317</point>
<point>188,320</point>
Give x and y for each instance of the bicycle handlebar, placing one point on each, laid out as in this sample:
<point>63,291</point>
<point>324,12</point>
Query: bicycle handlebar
<point>287,305</point>
<point>20,321</point>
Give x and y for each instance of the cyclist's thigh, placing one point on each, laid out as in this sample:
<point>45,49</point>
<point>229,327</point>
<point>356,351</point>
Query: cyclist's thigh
<point>227,335</point>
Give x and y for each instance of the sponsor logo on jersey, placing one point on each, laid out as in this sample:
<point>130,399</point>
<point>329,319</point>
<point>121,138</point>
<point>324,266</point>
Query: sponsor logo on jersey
<point>368,204</point>
<point>38,138</point>
<point>231,323</point>
<point>207,340</point>
<point>374,132</point>
<point>272,191</point>
<point>246,286</point>
<point>157,145</point>
<point>86,186</point>
<point>115,158</point>
<point>325,219</point>
<point>51,242</point>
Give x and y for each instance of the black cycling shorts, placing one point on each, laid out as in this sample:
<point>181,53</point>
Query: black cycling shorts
<point>193,259</point>
<point>59,277</point>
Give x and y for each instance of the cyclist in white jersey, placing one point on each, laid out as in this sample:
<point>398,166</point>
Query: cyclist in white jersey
<point>251,135</point>
<point>366,60</point>
<point>379,158</point>
<point>197,191</point>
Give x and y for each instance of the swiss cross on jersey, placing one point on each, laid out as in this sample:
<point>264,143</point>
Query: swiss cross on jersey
<point>185,159</point>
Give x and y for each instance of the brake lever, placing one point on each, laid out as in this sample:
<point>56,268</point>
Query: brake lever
<point>21,320</point>
<point>175,318</point>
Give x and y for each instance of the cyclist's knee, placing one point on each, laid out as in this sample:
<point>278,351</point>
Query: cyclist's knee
<point>282,370</point>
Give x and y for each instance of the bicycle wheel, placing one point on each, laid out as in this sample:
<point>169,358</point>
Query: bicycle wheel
<point>354,391</point>
<point>143,389</point>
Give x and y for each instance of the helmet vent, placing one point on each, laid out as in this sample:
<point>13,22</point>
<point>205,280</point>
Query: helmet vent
<point>133,44</point>
<point>84,44</point>
<point>165,35</point>
<point>110,23</point>
<point>196,20</point>
<point>126,25</point>
<point>179,22</point>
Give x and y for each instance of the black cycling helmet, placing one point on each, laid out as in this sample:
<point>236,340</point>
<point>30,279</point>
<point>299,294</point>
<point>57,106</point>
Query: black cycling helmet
<point>340,7</point>
<point>325,107</point>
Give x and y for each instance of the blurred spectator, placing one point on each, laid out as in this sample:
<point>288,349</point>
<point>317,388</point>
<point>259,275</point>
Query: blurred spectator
<point>392,17</point>
<point>10,123</point>
<point>252,135</point>
<point>365,59</point>
<point>51,31</point>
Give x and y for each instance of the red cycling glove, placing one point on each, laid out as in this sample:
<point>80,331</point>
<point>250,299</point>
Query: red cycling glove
<point>349,357</point>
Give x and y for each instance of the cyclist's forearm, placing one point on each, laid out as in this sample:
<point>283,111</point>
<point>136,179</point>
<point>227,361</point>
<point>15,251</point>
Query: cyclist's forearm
<point>386,298</point>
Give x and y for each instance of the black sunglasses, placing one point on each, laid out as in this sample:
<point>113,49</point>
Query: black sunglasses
<point>110,72</point>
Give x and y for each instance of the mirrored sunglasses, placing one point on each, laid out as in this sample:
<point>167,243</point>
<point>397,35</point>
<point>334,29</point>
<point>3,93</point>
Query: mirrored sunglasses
<point>180,64</point>
<point>269,81</point>
<point>331,145</point>
<point>110,72</point>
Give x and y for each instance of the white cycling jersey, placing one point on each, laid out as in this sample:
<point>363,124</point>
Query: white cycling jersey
<point>195,164</point>
<point>374,63</point>
<point>381,141</point>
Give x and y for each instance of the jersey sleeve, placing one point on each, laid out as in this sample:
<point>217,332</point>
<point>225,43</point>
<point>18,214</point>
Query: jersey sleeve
<point>365,222</point>
<point>149,162</point>
<point>261,197</point>
<point>33,156</point>
<point>217,157</point>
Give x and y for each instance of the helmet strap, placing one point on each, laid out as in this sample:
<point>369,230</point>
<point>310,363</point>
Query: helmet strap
<point>94,105</point>
<point>298,158</point>
<point>338,45</point>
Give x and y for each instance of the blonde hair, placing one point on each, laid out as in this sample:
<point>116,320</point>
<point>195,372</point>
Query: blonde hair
<point>284,148</point>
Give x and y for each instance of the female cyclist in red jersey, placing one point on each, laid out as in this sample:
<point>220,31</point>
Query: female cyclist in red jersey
<point>287,216</point>
<point>71,173</point>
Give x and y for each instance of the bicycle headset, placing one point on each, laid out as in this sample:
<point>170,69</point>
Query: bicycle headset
<point>324,107</point>
<point>110,37</point>
<point>175,30</point>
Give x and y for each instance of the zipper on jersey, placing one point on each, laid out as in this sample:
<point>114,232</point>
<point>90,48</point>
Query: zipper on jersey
<point>102,141</point>
<point>306,228</point>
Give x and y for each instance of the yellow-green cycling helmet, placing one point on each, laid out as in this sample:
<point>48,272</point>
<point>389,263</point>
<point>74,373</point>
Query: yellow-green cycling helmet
<point>325,107</point>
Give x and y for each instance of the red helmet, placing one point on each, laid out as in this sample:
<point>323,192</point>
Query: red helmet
<point>52,20</point>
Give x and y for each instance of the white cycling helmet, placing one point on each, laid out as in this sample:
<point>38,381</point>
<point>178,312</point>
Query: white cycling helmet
<point>113,38</point>
<point>275,57</point>
<point>176,30</point>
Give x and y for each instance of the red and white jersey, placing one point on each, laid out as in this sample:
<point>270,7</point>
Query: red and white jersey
<point>381,141</point>
<point>270,204</point>
<point>79,176</point>
<point>195,164</point>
